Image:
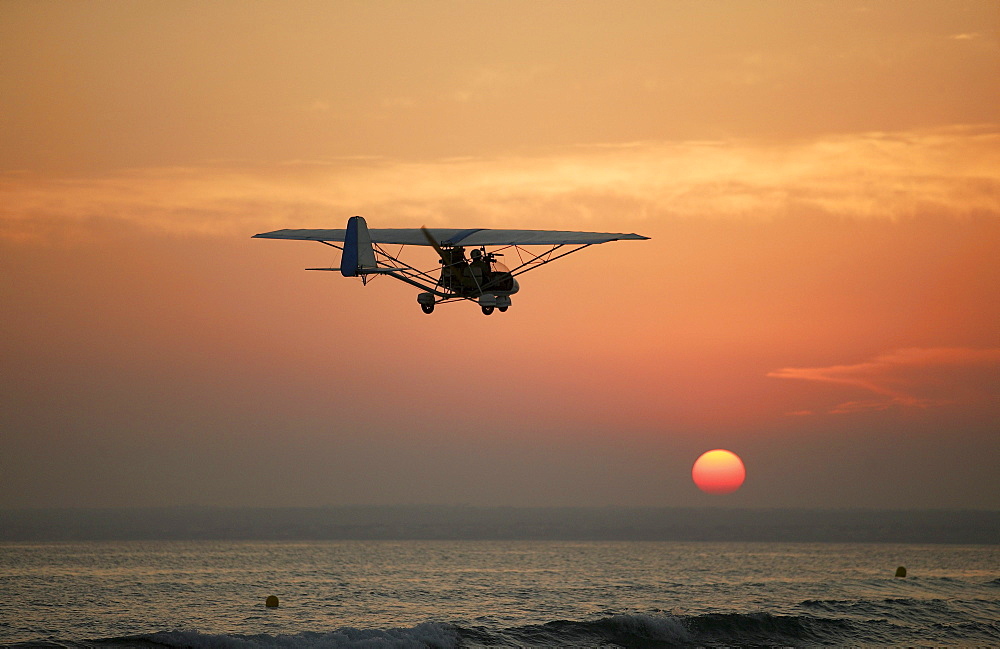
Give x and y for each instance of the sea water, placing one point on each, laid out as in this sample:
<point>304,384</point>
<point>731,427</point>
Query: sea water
<point>495,593</point>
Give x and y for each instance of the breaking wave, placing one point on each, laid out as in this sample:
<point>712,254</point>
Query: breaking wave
<point>631,630</point>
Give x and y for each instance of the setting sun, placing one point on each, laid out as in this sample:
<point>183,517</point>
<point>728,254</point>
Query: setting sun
<point>718,472</point>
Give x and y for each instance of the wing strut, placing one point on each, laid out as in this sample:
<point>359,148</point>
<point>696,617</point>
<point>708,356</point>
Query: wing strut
<point>537,261</point>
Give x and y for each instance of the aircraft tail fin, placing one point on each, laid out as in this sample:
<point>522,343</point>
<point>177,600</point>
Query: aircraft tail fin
<point>359,256</point>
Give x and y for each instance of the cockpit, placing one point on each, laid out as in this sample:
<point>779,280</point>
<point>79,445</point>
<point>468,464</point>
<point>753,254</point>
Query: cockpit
<point>482,273</point>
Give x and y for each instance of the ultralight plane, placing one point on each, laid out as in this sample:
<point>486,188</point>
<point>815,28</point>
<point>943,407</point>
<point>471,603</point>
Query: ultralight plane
<point>479,278</point>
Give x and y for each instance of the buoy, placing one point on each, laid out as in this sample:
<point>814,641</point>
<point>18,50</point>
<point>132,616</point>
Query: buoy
<point>900,572</point>
<point>271,601</point>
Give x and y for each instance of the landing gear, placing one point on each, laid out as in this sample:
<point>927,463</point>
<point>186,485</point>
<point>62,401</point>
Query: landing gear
<point>490,301</point>
<point>426,301</point>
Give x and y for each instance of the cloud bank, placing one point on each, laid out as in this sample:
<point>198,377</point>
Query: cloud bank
<point>950,171</point>
<point>913,378</point>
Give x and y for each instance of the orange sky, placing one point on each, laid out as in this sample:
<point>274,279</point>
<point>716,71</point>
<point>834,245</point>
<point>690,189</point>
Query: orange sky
<point>821,182</point>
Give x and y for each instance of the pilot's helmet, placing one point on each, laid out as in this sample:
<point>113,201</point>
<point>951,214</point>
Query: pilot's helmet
<point>477,253</point>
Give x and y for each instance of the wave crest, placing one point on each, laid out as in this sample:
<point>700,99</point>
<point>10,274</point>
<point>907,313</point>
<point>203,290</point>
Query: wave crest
<point>427,635</point>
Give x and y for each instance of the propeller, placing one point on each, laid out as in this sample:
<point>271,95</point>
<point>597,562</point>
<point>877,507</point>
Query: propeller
<point>434,244</point>
<point>453,270</point>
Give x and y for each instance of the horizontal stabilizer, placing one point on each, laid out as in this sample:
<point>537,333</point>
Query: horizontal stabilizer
<point>362,271</point>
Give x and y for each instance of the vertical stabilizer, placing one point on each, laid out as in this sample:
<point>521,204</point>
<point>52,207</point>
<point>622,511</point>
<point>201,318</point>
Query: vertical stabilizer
<point>358,253</point>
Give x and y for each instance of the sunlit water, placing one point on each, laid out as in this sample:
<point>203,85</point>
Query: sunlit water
<point>472,593</point>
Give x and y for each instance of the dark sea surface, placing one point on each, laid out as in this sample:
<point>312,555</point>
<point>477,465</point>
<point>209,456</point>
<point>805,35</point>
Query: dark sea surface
<point>510,593</point>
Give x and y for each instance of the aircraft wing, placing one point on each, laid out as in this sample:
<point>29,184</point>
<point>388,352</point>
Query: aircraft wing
<point>456,237</point>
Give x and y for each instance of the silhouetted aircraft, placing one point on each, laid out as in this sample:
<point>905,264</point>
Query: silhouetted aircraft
<point>479,278</point>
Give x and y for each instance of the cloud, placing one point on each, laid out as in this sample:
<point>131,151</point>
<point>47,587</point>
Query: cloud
<point>912,378</point>
<point>947,171</point>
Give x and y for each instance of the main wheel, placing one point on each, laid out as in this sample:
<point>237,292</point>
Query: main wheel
<point>487,310</point>
<point>503,309</point>
<point>427,308</point>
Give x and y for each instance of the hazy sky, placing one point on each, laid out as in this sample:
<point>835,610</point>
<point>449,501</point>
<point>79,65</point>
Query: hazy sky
<point>821,182</point>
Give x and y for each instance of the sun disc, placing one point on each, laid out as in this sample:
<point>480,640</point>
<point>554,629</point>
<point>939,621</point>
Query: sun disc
<point>718,472</point>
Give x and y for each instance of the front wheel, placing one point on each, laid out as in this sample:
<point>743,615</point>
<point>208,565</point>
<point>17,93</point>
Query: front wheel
<point>487,310</point>
<point>427,308</point>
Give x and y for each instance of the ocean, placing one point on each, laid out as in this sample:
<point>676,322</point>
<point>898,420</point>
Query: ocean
<point>476,593</point>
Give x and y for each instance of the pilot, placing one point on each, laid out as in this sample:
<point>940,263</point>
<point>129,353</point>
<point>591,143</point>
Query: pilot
<point>479,267</point>
<point>455,268</point>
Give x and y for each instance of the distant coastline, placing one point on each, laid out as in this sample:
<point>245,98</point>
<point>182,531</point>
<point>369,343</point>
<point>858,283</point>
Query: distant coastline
<point>410,522</point>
